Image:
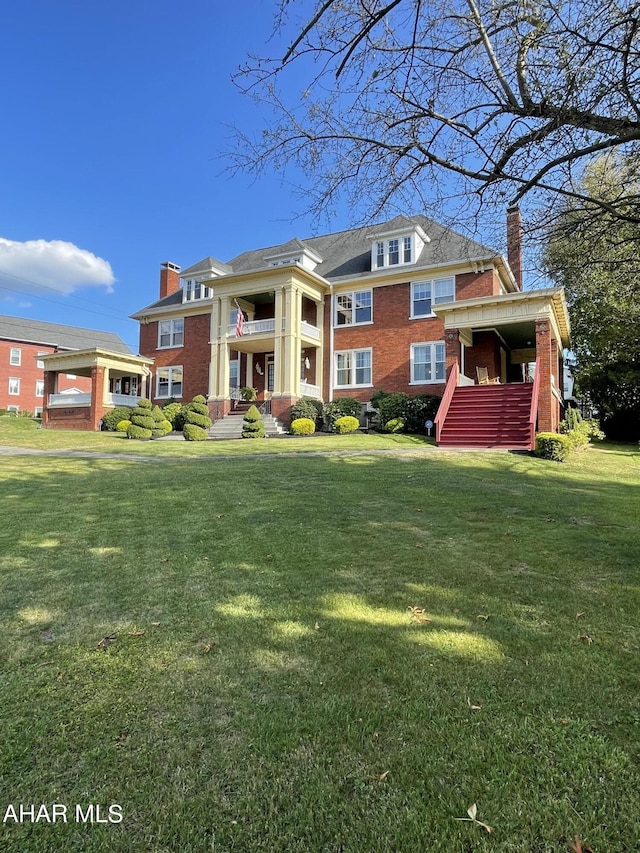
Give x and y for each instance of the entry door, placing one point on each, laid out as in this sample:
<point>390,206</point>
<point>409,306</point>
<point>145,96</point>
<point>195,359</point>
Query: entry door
<point>271,373</point>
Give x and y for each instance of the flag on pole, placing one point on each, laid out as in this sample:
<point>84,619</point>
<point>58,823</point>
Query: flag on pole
<point>239,320</point>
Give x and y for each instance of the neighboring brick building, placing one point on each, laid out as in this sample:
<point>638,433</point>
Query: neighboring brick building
<point>389,307</point>
<point>22,345</point>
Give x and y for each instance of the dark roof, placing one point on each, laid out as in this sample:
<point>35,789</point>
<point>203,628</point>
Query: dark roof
<point>348,253</point>
<point>205,265</point>
<point>53,334</point>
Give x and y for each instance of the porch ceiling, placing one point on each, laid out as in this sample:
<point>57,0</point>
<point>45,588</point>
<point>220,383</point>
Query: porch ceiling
<point>514,315</point>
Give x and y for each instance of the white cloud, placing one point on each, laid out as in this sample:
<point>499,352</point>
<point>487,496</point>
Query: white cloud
<point>51,264</point>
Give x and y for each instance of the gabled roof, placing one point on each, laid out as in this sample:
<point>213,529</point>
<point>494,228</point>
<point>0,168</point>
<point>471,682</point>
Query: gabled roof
<point>205,266</point>
<point>347,254</point>
<point>54,334</point>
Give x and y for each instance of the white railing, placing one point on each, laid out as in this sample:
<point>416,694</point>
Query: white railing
<point>253,327</point>
<point>309,390</point>
<point>464,380</point>
<point>310,331</point>
<point>69,399</point>
<point>85,400</point>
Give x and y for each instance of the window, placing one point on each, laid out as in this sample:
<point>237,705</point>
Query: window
<point>234,373</point>
<point>71,376</point>
<point>426,294</point>
<point>37,412</point>
<point>353,308</point>
<point>14,386</point>
<point>15,357</point>
<point>15,409</point>
<point>393,252</point>
<point>194,289</point>
<point>427,363</point>
<point>40,364</point>
<point>39,387</point>
<point>169,382</point>
<point>170,333</point>
<point>353,367</point>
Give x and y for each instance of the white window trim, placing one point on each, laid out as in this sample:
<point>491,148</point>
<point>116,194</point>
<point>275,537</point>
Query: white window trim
<point>352,294</point>
<point>172,333</point>
<point>15,409</point>
<point>352,352</point>
<point>431,282</point>
<point>400,240</point>
<point>432,344</point>
<point>17,363</point>
<point>173,367</point>
<point>16,380</point>
<point>39,387</point>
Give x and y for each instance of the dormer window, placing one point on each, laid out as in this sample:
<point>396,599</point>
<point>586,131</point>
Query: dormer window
<point>396,249</point>
<point>194,290</point>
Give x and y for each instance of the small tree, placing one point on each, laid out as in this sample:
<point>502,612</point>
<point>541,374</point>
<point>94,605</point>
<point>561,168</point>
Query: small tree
<point>197,420</point>
<point>252,424</point>
<point>142,422</point>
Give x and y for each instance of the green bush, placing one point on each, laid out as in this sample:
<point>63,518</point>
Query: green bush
<point>342,407</point>
<point>166,426</point>
<point>346,424</point>
<point>142,418</point>
<point>143,403</point>
<point>414,409</point>
<point>123,426</point>
<point>158,429</point>
<point>248,394</point>
<point>111,419</point>
<point>252,424</point>
<point>138,432</point>
<point>307,407</point>
<point>394,425</point>
<point>196,415</point>
<point>171,412</point>
<point>553,445</point>
<point>193,432</point>
<point>578,431</point>
<point>303,426</point>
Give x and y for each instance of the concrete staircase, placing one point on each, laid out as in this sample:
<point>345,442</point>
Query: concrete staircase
<point>489,416</point>
<point>231,425</point>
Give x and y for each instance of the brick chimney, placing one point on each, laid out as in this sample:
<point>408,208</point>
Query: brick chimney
<point>169,279</point>
<point>514,243</point>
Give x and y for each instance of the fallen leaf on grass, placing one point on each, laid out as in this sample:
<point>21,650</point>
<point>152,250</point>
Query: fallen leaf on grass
<point>138,633</point>
<point>317,626</point>
<point>473,707</point>
<point>419,545</point>
<point>586,639</point>
<point>155,624</point>
<point>205,647</point>
<point>418,614</point>
<point>106,641</point>
<point>482,616</point>
<point>379,778</point>
<point>579,847</point>
<point>579,615</point>
<point>472,811</point>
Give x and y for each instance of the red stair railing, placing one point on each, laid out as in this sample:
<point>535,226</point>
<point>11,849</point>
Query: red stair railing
<point>443,408</point>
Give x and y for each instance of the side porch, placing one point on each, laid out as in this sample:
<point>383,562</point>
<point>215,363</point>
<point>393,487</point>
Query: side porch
<point>117,379</point>
<point>504,360</point>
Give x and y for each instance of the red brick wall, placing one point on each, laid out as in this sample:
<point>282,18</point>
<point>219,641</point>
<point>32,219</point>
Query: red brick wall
<point>484,353</point>
<point>471,285</point>
<point>193,357</point>
<point>28,373</point>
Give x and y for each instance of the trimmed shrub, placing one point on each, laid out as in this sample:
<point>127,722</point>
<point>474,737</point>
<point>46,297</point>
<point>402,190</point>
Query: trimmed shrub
<point>143,403</point>
<point>303,426</point>
<point>346,424</point>
<point>110,420</point>
<point>123,426</point>
<point>193,432</point>
<point>166,426</point>
<point>413,409</point>
<point>308,407</point>
<point>158,429</point>
<point>342,407</point>
<point>252,424</point>
<point>138,432</point>
<point>552,445</point>
<point>171,412</point>
<point>394,425</point>
<point>197,415</point>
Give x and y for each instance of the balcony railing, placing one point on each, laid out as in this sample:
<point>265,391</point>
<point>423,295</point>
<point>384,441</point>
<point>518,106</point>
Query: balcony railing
<point>85,400</point>
<point>310,331</point>
<point>253,327</point>
<point>309,390</point>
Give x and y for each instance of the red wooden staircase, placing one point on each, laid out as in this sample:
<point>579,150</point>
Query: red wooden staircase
<point>489,416</point>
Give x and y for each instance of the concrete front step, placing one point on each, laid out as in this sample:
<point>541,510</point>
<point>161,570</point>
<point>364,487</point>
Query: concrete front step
<point>231,427</point>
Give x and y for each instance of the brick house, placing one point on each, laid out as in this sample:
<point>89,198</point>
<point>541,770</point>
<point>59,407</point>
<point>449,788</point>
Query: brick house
<point>408,306</point>
<point>24,344</point>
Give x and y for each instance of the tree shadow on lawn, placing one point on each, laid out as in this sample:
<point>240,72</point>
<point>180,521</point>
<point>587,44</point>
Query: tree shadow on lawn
<point>321,623</point>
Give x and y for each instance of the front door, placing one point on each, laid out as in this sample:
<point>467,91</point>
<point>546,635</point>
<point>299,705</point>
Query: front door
<point>271,375</point>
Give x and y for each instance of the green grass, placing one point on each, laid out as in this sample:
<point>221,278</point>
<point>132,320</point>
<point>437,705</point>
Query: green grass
<point>266,671</point>
<point>25,432</point>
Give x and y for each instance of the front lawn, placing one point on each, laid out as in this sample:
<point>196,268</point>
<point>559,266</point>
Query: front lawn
<point>336,654</point>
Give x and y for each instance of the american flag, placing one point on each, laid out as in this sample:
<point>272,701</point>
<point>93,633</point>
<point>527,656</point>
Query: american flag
<point>239,321</point>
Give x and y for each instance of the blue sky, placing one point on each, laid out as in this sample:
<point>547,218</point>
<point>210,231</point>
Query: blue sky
<point>116,117</point>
